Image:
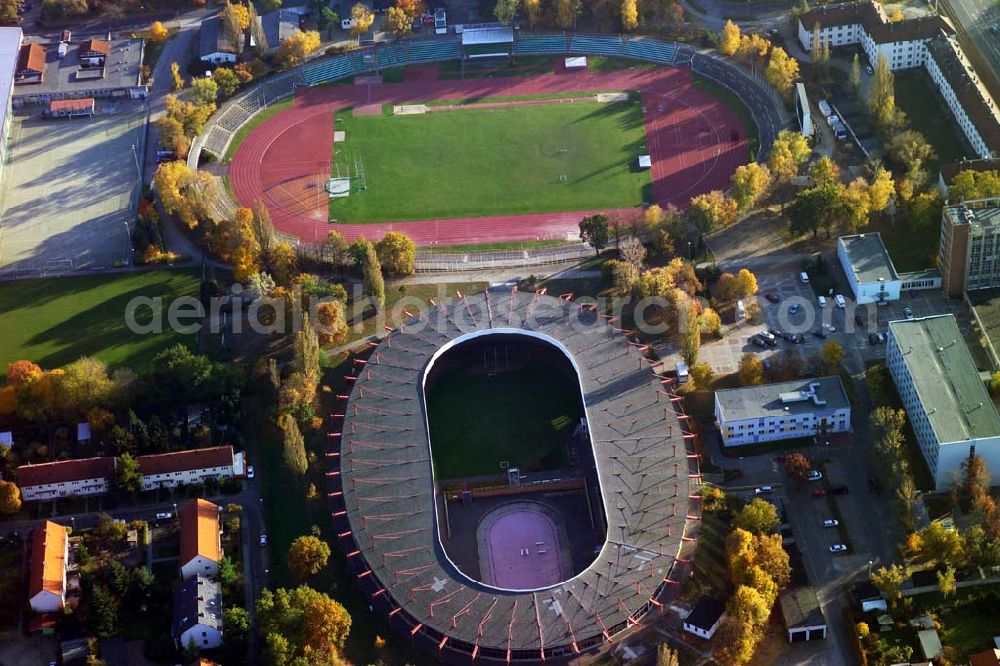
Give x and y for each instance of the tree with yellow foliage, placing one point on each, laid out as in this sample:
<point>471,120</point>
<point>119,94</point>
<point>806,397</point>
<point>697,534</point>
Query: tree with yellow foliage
<point>363,18</point>
<point>297,46</point>
<point>730,41</point>
<point>533,9</point>
<point>880,190</point>
<point>158,32</point>
<point>175,73</point>
<point>397,22</point>
<point>285,263</point>
<point>566,13</point>
<point>10,498</point>
<point>630,15</point>
<point>782,71</point>
<point>712,210</point>
<point>239,244</point>
<point>750,183</point>
<point>332,323</point>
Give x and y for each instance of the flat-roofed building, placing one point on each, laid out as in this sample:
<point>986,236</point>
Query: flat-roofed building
<point>969,255</point>
<point>803,616</point>
<point>869,268</point>
<point>771,412</point>
<point>945,399</point>
<point>10,47</point>
<point>92,68</point>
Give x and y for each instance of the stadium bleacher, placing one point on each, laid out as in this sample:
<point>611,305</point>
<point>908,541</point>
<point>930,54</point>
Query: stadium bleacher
<point>610,45</point>
<point>428,50</point>
<point>651,49</point>
<point>330,70</point>
<point>541,44</point>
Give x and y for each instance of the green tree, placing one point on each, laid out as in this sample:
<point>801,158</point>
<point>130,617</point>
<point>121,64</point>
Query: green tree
<point>294,445</point>
<point>204,91</point>
<point>301,624</point>
<point>941,545</point>
<point>228,575</point>
<point>372,281</point>
<point>817,208</point>
<point>758,517</point>
<point>127,476</point>
<point>594,231</point>
<point>831,354</point>
<point>889,580</point>
<point>102,612</point>
<point>946,581</point>
<point>226,81</point>
<point>855,77</point>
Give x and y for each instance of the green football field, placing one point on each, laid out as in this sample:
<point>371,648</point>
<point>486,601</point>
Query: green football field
<point>478,162</point>
<point>524,416</point>
<point>55,321</point>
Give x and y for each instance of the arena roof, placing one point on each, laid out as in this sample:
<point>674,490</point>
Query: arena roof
<point>385,506</point>
<point>487,34</point>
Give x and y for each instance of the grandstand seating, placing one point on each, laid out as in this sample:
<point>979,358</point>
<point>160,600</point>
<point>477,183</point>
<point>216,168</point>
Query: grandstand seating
<point>651,49</point>
<point>610,45</point>
<point>541,44</point>
<point>330,70</point>
<point>428,50</point>
<point>392,55</point>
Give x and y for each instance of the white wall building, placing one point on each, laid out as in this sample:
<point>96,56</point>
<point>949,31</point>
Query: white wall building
<point>198,614</point>
<point>927,41</point>
<point>66,478</point>
<point>168,470</point>
<point>49,559</point>
<point>201,544</point>
<point>771,412</point>
<point>705,617</point>
<point>869,268</point>
<point>10,47</point>
<point>946,401</point>
<point>802,110</point>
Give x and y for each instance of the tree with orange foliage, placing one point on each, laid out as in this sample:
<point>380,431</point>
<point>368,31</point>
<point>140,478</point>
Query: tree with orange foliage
<point>332,323</point>
<point>21,372</point>
<point>412,8</point>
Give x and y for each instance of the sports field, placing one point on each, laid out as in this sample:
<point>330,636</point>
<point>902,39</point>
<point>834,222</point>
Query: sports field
<point>492,161</point>
<point>523,416</point>
<point>55,321</point>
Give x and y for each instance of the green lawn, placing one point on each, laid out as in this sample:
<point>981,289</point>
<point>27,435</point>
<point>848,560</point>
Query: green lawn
<point>254,123</point>
<point>928,116</point>
<point>524,416</point>
<point>551,157</point>
<point>55,321</point>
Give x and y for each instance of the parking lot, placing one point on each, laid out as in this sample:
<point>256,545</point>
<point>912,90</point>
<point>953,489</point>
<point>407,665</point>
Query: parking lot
<point>70,189</point>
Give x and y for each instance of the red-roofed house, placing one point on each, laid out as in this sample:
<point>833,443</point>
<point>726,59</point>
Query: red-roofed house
<point>985,658</point>
<point>167,470</point>
<point>201,546</point>
<point>49,557</point>
<point>88,476</point>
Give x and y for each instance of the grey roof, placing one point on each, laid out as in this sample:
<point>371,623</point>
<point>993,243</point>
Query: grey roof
<point>980,214</point>
<point>800,608</point>
<point>752,402</point>
<point>212,38</point>
<point>383,490</point>
<point>868,257</point>
<point>945,378</point>
<point>197,601</point>
<point>930,643</point>
<point>65,76</point>
<point>278,25</point>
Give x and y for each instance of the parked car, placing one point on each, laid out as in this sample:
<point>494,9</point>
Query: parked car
<point>164,516</point>
<point>876,338</point>
<point>821,301</point>
<point>869,69</point>
<point>819,492</point>
<point>263,539</point>
<point>840,301</point>
<point>838,548</point>
<point>251,472</point>
<point>859,320</point>
<point>804,277</point>
<point>795,307</point>
<point>762,490</point>
<point>772,297</point>
<point>831,522</point>
<point>907,312</point>
<point>759,341</point>
<point>840,490</point>
<point>794,338</point>
<point>814,475</point>
<point>829,327</point>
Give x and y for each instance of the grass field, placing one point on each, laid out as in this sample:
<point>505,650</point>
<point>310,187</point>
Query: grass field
<point>928,115</point>
<point>477,420</point>
<point>55,321</point>
<point>550,157</point>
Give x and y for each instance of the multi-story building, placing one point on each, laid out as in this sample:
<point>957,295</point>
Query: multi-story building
<point>869,268</point>
<point>927,41</point>
<point>49,559</point>
<point>198,614</point>
<point>201,545</point>
<point>10,45</point>
<point>948,171</point>
<point>168,470</point>
<point>969,255</point>
<point>771,412</point>
<point>66,478</point>
<point>946,401</point>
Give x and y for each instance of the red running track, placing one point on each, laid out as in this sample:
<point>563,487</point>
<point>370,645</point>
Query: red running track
<point>695,143</point>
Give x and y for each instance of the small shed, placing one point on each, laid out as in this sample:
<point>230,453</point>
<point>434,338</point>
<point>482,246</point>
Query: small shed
<point>930,643</point>
<point>804,620</point>
<point>644,162</point>
<point>576,62</point>
<point>71,108</point>
<point>870,598</point>
<point>705,617</point>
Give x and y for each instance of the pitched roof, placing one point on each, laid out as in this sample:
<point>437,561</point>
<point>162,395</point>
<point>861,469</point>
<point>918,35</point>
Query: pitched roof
<point>970,91</point>
<point>65,470</point>
<point>83,429</point>
<point>706,613</point>
<point>985,658</point>
<point>94,46</point>
<point>952,169</point>
<point>875,22</point>
<point>200,531</point>
<point>185,461</point>
<point>48,559</point>
<point>278,25</point>
<point>212,38</point>
<point>31,57</point>
<point>197,601</point>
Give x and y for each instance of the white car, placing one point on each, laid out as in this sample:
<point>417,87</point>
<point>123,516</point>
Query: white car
<point>828,327</point>
<point>814,475</point>
<point>263,539</point>
<point>250,472</point>
<point>838,548</point>
<point>762,490</point>
<point>164,515</point>
<point>831,522</point>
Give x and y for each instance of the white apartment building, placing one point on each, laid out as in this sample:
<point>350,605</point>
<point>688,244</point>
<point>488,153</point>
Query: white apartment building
<point>65,478</point>
<point>927,41</point>
<point>787,410</point>
<point>198,614</point>
<point>946,401</point>
<point>168,470</point>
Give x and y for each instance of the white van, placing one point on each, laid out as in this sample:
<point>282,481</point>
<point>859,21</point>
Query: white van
<point>804,278</point>
<point>841,303</point>
<point>741,311</point>
<point>824,108</point>
<point>821,300</point>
